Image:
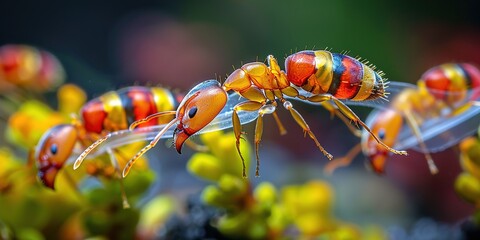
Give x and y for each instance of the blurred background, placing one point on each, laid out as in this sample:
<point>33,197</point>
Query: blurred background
<point>106,45</point>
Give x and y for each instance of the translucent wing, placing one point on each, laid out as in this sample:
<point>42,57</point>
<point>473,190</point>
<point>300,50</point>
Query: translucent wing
<point>438,133</point>
<point>222,121</point>
<point>443,132</point>
<point>393,89</point>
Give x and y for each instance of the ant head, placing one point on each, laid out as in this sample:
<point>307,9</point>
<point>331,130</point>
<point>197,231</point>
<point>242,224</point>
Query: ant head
<point>199,107</point>
<point>53,150</point>
<point>386,125</point>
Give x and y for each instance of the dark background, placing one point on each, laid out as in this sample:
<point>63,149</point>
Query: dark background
<point>401,38</point>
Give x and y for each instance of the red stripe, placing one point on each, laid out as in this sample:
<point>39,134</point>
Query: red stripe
<point>436,80</point>
<point>93,115</point>
<point>351,78</point>
<point>143,105</point>
<point>300,66</point>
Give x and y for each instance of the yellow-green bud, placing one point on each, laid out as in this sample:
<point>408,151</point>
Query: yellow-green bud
<point>474,152</point>
<point>257,229</point>
<point>311,224</point>
<point>70,99</point>
<point>278,219</point>
<point>468,165</point>
<point>156,212</point>
<point>205,166</point>
<point>265,193</point>
<point>468,187</point>
<point>346,231</point>
<point>222,145</point>
<point>232,185</point>
<point>234,224</point>
<point>213,196</point>
<point>317,195</point>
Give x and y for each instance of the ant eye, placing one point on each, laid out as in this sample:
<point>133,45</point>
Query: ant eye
<point>54,149</point>
<point>381,134</point>
<point>192,112</point>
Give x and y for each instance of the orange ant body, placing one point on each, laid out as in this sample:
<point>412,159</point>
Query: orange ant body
<point>324,75</point>
<point>444,91</point>
<point>28,67</point>
<point>102,116</point>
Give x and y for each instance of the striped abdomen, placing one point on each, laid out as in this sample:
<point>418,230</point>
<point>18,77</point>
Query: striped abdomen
<point>450,82</point>
<point>340,75</point>
<point>116,110</point>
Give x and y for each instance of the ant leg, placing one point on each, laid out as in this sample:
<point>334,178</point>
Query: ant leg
<point>352,116</point>
<point>271,95</point>
<point>334,111</point>
<point>266,109</point>
<point>117,174</point>
<point>416,131</point>
<point>87,151</point>
<point>280,126</point>
<point>150,117</point>
<point>90,148</point>
<point>152,144</point>
<point>343,161</point>
<point>237,127</point>
<point>258,138</point>
<point>306,129</point>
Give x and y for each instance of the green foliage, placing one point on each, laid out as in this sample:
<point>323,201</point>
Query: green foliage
<point>264,211</point>
<point>467,184</point>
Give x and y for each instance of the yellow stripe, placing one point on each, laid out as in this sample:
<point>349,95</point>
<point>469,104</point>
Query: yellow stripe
<point>367,84</point>
<point>116,116</point>
<point>324,73</point>
<point>458,85</point>
<point>456,76</point>
<point>164,101</point>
